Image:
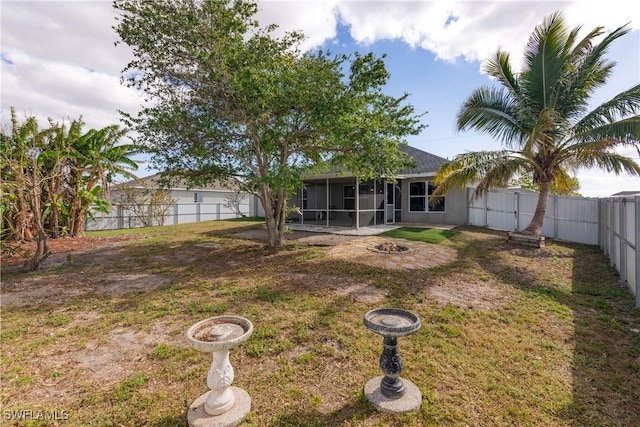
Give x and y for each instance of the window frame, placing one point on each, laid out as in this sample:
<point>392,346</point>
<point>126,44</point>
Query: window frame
<point>427,189</point>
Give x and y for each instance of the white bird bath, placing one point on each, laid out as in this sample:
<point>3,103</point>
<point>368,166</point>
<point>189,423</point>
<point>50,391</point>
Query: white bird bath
<point>223,405</point>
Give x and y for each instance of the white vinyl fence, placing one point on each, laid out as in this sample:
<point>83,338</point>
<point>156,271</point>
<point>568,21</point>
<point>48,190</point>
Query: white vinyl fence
<point>611,223</point>
<point>619,238</point>
<point>123,216</point>
<point>572,219</point>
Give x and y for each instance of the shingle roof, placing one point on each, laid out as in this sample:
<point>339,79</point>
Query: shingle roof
<point>626,193</point>
<point>153,181</point>
<point>425,162</point>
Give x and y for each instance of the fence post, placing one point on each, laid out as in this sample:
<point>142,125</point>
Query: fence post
<point>175,213</point>
<point>516,214</point>
<point>555,216</point>
<point>612,234</point>
<point>622,269</point>
<point>600,224</point>
<point>468,201</point>
<point>486,209</point>
<point>637,249</point>
<point>120,217</point>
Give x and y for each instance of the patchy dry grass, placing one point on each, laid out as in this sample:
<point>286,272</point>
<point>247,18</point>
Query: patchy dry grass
<point>553,341</point>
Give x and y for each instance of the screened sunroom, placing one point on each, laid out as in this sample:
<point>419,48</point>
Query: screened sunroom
<point>345,202</point>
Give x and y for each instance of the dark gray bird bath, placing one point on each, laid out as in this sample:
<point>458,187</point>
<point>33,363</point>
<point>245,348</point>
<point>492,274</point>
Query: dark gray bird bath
<point>390,393</point>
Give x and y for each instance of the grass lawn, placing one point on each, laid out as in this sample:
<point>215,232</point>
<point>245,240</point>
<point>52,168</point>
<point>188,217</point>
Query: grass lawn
<point>510,335</point>
<point>427,235</point>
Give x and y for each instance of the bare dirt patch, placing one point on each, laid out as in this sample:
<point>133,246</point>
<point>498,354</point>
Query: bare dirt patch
<point>358,290</point>
<point>468,294</point>
<point>416,256</point>
<point>67,272</point>
<point>306,237</point>
<point>60,248</point>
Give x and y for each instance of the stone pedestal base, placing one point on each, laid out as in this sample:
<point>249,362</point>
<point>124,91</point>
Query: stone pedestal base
<point>526,239</point>
<point>410,401</point>
<point>197,417</point>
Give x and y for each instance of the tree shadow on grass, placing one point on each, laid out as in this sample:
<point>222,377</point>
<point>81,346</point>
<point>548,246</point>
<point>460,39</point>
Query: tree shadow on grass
<point>356,410</point>
<point>605,345</point>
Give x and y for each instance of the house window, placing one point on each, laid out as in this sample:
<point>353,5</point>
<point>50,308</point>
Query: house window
<point>421,199</point>
<point>349,196</point>
<point>197,197</point>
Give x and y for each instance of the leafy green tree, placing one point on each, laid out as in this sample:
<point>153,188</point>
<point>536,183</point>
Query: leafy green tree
<point>230,101</point>
<point>541,115</point>
<point>571,186</point>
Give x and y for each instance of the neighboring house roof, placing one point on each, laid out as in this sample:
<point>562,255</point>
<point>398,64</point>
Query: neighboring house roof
<point>522,190</point>
<point>626,193</point>
<point>153,181</point>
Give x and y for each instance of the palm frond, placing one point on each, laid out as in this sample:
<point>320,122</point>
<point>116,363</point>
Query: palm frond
<point>612,162</point>
<point>621,132</point>
<point>500,174</point>
<point>499,68</point>
<point>489,168</point>
<point>588,70</point>
<point>544,62</point>
<point>492,111</point>
<point>623,104</point>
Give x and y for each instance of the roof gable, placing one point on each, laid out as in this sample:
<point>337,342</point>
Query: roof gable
<point>153,181</point>
<point>424,162</point>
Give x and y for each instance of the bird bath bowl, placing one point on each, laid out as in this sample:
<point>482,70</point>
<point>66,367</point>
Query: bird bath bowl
<point>390,393</point>
<point>223,405</point>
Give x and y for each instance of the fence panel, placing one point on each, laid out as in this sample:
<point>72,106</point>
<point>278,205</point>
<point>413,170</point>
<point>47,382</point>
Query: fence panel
<point>567,218</point>
<point>122,216</point>
<point>577,220</point>
<point>501,210</point>
<point>619,238</point>
<point>477,209</point>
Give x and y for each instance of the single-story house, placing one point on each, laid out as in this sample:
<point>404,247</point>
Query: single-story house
<point>181,193</point>
<point>626,193</point>
<point>339,199</point>
<point>133,204</point>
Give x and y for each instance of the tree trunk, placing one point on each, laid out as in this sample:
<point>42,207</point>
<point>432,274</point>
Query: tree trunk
<point>535,226</point>
<point>275,219</point>
<point>24,230</point>
<point>42,247</point>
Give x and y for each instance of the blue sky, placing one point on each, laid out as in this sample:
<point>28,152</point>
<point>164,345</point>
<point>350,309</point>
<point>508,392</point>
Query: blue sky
<point>59,59</point>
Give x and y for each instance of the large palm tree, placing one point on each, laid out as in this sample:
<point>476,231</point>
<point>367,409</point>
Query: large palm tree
<point>541,116</point>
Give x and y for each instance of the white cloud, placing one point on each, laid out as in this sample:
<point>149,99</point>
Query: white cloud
<point>600,184</point>
<point>470,30</point>
<point>59,59</point>
<point>64,31</point>
<point>316,19</point>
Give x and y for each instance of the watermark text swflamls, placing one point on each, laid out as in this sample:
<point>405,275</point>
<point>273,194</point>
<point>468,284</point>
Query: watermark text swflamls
<point>33,415</point>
